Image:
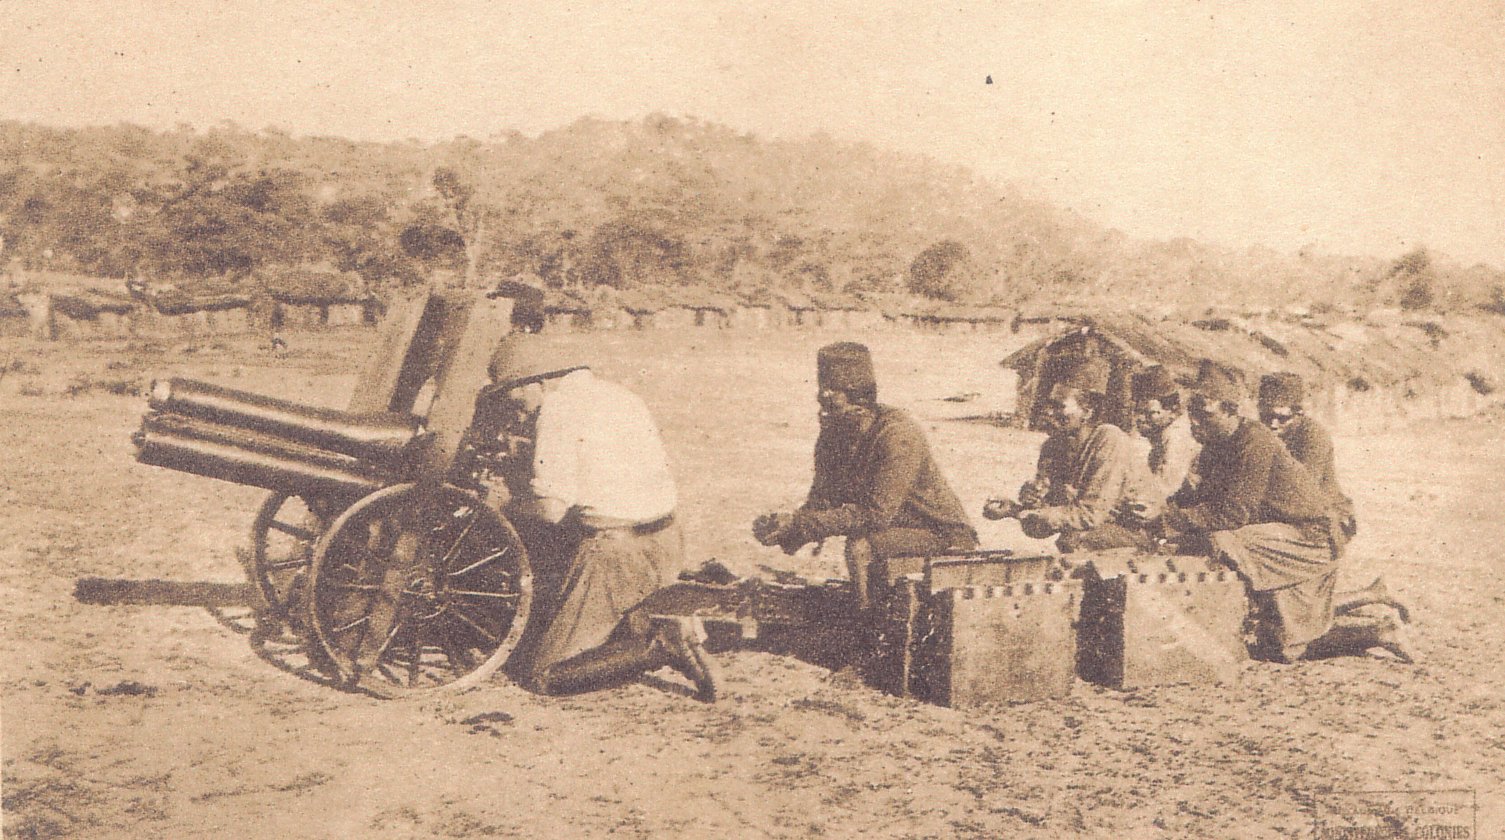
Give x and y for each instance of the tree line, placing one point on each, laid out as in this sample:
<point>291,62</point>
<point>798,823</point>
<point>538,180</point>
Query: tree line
<point>660,202</point>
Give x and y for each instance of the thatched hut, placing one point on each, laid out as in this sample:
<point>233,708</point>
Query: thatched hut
<point>959,318</point>
<point>1359,373</point>
<point>90,313</point>
<point>207,310</point>
<point>756,316</point>
<point>694,306</point>
<point>840,313</point>
<point>317,297</point>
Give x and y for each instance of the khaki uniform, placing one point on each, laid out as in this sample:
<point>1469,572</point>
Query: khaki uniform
<point>1090,473</point>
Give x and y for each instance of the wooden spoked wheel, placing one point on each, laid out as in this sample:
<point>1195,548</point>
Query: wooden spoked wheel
<point>282,544</point>
<point>406,594</point>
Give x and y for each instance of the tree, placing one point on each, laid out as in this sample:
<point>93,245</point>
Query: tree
<point>360,235</point>
<point>230,223</point>
<point>622,255</point>
<point>473,203</point>
<point>944,271</point>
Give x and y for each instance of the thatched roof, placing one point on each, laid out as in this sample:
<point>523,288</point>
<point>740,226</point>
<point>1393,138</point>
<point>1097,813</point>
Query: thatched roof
<point>203,297</point>
<point>175,302</point>
<point>942,311</point>
<point>699,297</point>
<point>1344,352</point>
<point>89,303</point>
<point>313,286</point>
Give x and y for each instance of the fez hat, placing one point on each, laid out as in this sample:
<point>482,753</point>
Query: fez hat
<point>1089,374</point>
<point>845,366</point>
<point>521,358</point>
<point>1152,383</point>
<point>1284,388</point>
<point>1218,382</point>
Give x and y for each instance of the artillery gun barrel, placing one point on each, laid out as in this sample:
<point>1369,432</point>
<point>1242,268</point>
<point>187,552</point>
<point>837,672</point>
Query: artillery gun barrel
<point>191,427</point>
<point>228,461</point>
<point>377,437</point>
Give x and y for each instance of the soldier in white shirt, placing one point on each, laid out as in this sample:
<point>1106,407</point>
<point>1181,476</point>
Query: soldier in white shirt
<point>1160,416</point>
<point>597,512</point>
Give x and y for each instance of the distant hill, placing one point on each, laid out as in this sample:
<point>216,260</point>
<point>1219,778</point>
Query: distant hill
<point>660,202</point>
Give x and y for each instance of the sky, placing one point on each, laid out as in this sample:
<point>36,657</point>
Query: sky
<point>1361,127</point>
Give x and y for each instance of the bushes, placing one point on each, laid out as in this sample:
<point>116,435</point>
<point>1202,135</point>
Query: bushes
<point>119,386</point>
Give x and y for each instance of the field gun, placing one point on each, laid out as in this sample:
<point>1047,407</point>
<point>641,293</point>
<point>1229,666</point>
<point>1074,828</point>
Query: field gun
<point>375,544</point>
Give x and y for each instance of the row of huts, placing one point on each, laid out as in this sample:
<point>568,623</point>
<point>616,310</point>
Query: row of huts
<point>690,308</point>
<point>70,308</point>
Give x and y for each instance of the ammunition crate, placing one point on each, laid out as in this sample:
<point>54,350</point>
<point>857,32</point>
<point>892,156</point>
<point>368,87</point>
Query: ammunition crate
<point>1156,624</point>
<point>963,631</point>
<point>989,644</point>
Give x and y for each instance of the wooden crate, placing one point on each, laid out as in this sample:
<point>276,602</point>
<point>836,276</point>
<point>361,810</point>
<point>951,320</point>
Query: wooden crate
<point>924,645</point>
<point>1164,621</point>
<point>1005,643</point>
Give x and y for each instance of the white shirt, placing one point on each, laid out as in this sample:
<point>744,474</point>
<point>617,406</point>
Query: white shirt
<point>1173,457</point>
<point>598,451</point>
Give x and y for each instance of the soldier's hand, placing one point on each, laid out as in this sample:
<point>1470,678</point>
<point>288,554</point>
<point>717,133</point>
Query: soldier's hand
<point>1001,509</point>
<point>1032,494</point>
<point>1035,526</point>
<point>498,494</point>
<point>772,528</point>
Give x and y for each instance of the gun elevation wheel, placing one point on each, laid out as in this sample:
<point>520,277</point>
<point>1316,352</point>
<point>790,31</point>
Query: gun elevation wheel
<point>407,594</point>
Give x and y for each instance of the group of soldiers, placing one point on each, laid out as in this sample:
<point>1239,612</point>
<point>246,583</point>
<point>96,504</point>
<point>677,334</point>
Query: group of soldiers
<point>595,504</point>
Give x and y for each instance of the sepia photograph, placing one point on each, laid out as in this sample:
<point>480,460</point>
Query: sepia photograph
<point>1071,419</point>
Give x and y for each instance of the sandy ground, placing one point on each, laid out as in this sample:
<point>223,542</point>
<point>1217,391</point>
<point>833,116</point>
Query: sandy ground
<point>162,721</point>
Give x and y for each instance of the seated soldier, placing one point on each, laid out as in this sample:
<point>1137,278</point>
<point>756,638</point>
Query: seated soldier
<point>875,482</point>
<point>1160,416</point>
<point>1086,471</point>
<point>1260,512</point>
<point>1280,398</point>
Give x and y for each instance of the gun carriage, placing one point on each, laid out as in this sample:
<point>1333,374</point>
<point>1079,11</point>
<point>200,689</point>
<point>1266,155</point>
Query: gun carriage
<point>374,544</point>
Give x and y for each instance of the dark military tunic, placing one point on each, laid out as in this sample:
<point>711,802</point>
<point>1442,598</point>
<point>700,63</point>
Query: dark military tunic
<point>883,479</point>
<point>1262,511</point>
<point>1310,444</point>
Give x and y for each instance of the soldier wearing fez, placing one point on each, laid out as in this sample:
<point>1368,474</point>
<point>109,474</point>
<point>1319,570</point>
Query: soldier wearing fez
<point>1260,511</point>
<point>595,502</point>
<point>1160,416</point>
<point>1086,470</point>
<point>875,482</point>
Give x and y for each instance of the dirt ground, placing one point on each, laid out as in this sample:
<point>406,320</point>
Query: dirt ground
<point>163,721</point>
